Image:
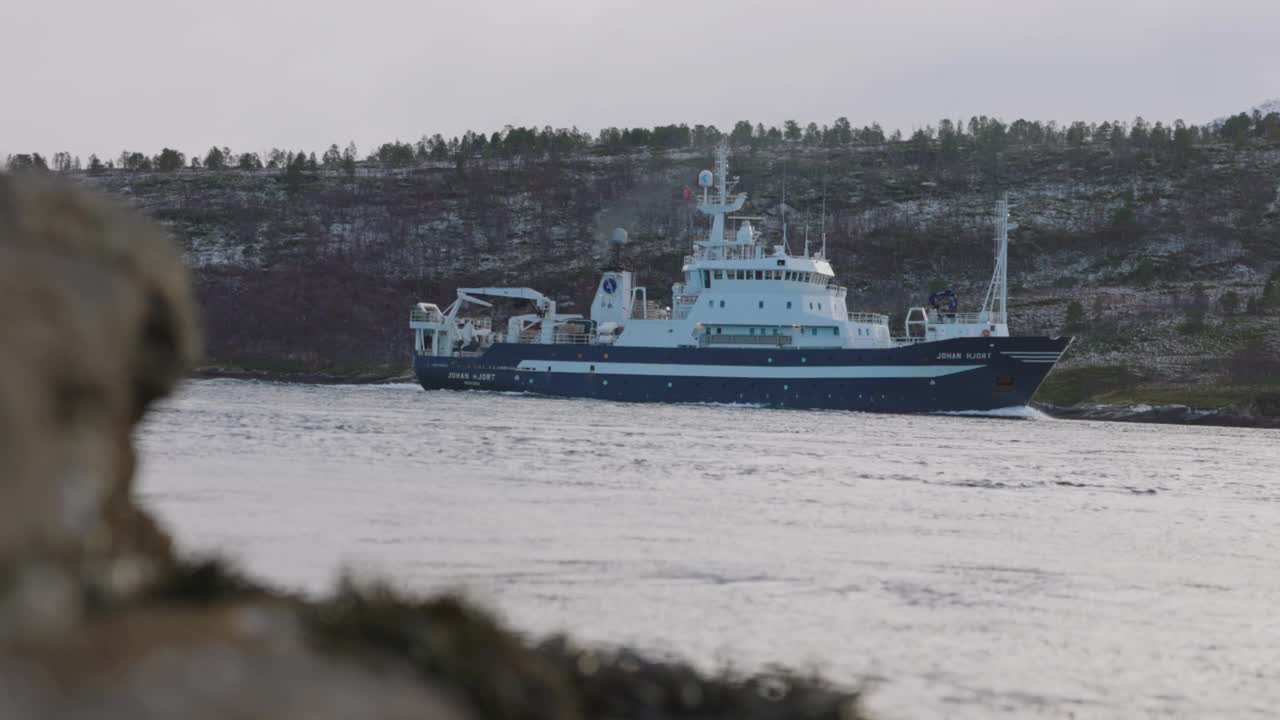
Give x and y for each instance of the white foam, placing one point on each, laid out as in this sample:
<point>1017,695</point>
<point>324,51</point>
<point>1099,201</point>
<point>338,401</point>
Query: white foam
<point>1021,413</point>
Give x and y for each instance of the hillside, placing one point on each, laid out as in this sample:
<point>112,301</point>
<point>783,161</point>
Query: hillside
<point>1167,255</point>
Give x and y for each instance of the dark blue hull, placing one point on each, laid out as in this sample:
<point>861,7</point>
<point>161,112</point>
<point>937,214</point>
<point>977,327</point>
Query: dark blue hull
<point>967,374</point>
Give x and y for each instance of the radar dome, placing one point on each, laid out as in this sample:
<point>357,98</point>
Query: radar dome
<point>745,236</point>
<point>705,179</point>
<point>618,236</point>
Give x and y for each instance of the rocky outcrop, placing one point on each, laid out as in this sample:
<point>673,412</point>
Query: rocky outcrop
<point>98,320</point>
<point>1262,412</point>
<point>100,619</point>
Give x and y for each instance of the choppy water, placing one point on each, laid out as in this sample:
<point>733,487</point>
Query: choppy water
<point>959,567</point>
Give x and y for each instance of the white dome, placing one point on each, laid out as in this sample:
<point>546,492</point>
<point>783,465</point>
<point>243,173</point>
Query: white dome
<point>744,233</point>
<point>706,179</point>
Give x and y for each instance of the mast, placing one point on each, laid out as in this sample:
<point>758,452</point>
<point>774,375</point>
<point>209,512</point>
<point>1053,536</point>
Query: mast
<point>784,208</point>
<point>824,209</point>
<point>996,304</point>
<point>721,204</point>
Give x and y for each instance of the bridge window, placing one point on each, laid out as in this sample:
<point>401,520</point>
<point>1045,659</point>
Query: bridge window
<point>719,330</point>
<point>752,331</point>
<point>721,303</point>
<point>717,274</point>
<point>759,274</point>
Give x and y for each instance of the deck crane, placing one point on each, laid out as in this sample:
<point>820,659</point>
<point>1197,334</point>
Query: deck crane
<point>446,331</point>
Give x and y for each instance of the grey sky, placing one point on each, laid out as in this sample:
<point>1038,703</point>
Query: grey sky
<point>101,76</point>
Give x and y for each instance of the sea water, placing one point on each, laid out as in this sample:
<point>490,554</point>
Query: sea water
<point>951,566</point>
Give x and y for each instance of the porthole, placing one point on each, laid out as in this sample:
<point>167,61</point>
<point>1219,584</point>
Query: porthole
<point>606,382</point>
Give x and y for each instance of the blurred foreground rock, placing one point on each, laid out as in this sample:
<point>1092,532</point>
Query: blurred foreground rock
<point>98,619</point>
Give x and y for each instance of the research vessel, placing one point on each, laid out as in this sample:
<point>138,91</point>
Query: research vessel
<point>749,323</point>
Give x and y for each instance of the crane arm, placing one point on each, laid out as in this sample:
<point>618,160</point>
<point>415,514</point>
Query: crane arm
<point>542,301</point>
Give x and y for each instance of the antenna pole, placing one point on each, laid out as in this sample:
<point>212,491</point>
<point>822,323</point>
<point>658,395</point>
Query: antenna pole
<point>996,305</point>
<point>824,208</point>
<point>1003,219</point>
<point>784,208</point>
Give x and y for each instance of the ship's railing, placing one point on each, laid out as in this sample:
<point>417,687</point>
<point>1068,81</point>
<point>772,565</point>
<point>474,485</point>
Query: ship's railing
<point>967,318</point>
<point>767,340</point>
<point>417,314</point>
<point>869,318</point>
<point>651,311</point>
<point>534,338</point>
<point>728,252</point>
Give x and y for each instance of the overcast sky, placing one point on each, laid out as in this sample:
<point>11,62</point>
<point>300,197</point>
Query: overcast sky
<point>104,75</point>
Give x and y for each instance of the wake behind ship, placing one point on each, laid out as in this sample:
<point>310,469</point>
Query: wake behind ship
<point>749,324</point>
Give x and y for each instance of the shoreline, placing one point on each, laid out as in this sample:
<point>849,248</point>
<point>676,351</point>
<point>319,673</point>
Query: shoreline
<point>1171,414</point>
<point>316,377</point>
